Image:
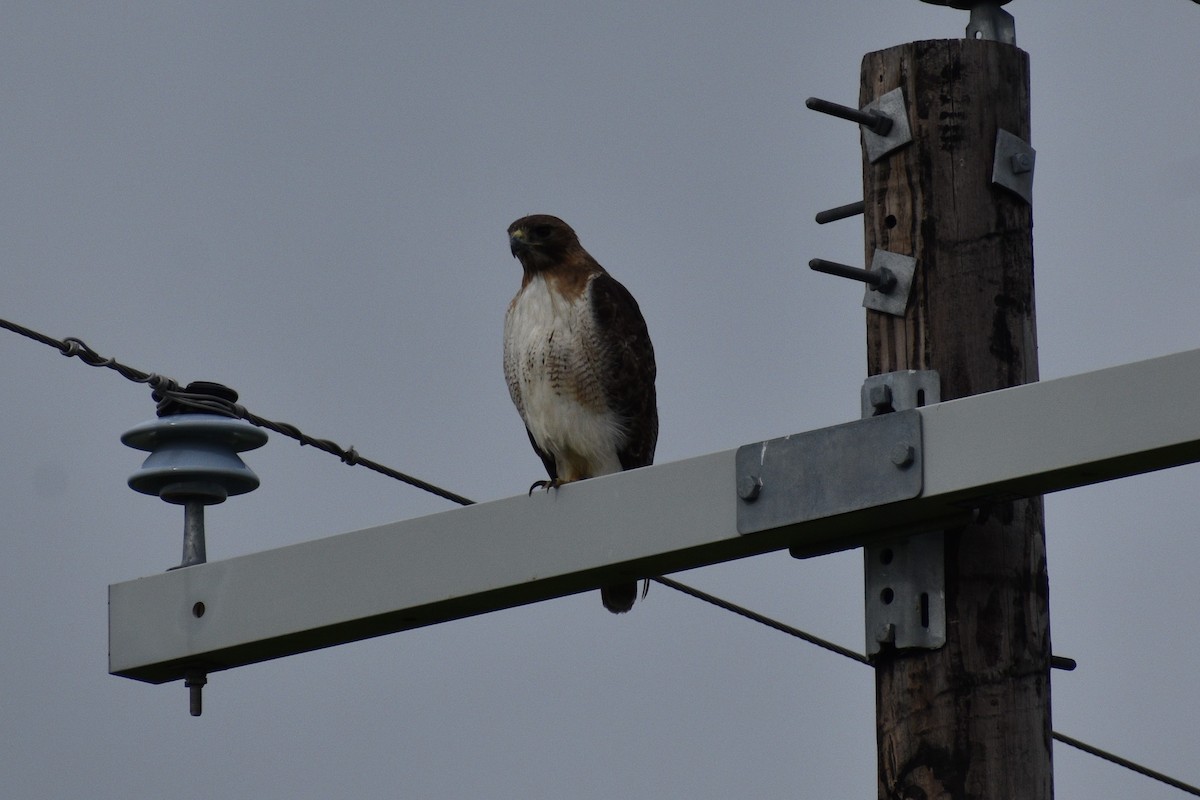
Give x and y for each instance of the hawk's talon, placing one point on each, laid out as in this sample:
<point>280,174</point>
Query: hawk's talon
<point>553,483</point>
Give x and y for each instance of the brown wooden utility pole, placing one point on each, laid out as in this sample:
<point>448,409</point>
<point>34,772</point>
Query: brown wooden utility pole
<point>972,719</point>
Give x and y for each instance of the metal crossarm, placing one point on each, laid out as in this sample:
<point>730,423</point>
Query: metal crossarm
<point>1026,440</point>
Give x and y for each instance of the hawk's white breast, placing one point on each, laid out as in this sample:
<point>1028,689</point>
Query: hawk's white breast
<point>552,363</point>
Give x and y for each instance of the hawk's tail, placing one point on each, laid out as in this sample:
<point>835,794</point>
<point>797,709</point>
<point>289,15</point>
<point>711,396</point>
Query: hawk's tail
<point>619,599</point>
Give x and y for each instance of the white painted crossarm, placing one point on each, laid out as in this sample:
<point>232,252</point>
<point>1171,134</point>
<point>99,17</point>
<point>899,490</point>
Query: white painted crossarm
<point>1027,440</point>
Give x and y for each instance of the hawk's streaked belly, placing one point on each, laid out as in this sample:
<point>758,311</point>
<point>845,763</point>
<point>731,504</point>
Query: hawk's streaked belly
<point>553,363</point>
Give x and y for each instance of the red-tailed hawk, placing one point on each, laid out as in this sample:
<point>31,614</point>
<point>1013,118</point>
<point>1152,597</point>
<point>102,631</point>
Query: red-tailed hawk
<point>579,364</point>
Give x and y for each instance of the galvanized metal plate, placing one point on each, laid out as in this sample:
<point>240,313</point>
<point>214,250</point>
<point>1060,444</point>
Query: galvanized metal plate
<point>988,21</point>
<point>991,23</point>
<point>829,471</point>
<point>891,105</point>
<point>900,391</point>
<point>894,299</point>
<point>905,584</point>
<point>1012,165</point>
<point>904,578</point>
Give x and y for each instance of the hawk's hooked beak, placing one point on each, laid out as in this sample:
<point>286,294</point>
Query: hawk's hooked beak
<point>517,242</point>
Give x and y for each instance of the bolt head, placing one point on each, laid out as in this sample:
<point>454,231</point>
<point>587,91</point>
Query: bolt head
<point>881,397</point>
<point>903,455</point>
<point>887,281</point>
<point>749,487</point>
<point>1021,163</point>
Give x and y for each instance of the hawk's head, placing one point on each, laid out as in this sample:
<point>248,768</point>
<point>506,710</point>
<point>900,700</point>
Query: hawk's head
<point>542,241</point>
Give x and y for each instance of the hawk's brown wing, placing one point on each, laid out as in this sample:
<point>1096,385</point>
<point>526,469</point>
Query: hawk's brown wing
<point>628,368</point>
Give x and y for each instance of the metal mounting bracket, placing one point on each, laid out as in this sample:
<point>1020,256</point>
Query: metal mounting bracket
<point>900,391</point>
<point>890,105</point>
<point>904,579</point>
<point>906,593</point>
<point>988,20</point>
<point>892,297</point>
<point>787,481</point>
<point>1012,166</point>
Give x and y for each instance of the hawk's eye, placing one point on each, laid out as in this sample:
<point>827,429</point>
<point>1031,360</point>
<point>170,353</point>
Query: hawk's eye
<point>542,231</point>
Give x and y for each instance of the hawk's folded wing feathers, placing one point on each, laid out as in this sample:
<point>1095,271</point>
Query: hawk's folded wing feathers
<point>629,369</point>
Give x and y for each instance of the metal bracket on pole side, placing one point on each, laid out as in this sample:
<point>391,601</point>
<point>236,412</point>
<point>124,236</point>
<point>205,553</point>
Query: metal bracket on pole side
<point>1012,166</point>
<point>988,21</point>
<point>782,482</point>
<point>889,280</point>
<point>904,579</point>
<point>884,121</point>
<point>894,301</point>
<point>905,587</point>
<point>891,105</point>
<point>900,391</point>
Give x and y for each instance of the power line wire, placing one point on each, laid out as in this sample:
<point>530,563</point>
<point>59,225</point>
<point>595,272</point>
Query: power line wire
<point>166,390</point>
<point>1126,763</point>
<point>763,620</point>
<point>854,656</point>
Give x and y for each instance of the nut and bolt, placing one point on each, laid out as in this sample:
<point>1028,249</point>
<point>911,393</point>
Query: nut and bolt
<point>749,487</point>
<point>903,455</point>
<point>880,397</point>
<point>1021,163</point>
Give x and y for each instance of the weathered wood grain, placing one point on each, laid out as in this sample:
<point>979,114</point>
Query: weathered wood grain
<point>971,720</point>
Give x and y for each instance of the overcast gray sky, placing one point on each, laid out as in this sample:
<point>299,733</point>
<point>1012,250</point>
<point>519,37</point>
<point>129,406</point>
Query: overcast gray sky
<point>307,202</point>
